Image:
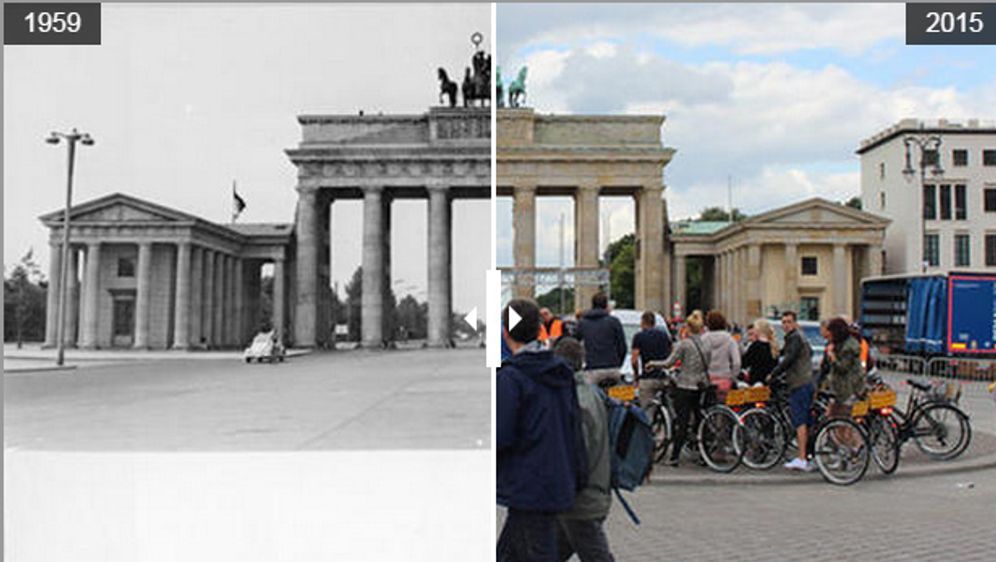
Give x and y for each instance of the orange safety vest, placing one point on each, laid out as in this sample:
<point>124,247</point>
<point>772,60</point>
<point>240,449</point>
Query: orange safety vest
<point>556,328</point>
<point>543,336</point>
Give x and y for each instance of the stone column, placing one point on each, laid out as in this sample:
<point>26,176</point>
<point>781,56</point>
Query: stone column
<point>207,307</point>
<point>372,302</point>
<point>181,303</point>
<point>91,297</point>
<point>218,313</point>
<point>679,280</point>
<point>524,232</point>
<point>650,234</point>
<point>439,266</point>
<point>387,316</point>
<point>196,293</point>
<point>306,230</point>
<point>792,268</point>
<point>72,298</point>
<point>585,238</point>
<point>52,296</point>
<point>238,293</point>
<point>229,322</point>
<point>754,298</point>
<point>839,279</point>
<point>143,295</point>
<point>874,260</point>
<point>278,297</point>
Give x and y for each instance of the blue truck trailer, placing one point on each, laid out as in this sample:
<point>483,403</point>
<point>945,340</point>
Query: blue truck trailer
<point>950,314</point>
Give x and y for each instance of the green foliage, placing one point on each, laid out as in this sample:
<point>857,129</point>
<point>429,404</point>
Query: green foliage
<point>621,259</point>
<point>718,214</point>
<point>551,300</point>
<point>25,293</point>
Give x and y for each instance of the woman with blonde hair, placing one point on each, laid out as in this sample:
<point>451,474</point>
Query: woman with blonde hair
<point>762,353</point>
<point>691,379</point>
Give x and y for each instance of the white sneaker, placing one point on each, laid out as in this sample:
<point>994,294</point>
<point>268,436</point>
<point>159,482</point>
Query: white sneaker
<point>797,464</point>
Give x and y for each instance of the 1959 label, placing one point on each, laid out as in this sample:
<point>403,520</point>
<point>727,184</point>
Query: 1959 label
<point>51,24</point>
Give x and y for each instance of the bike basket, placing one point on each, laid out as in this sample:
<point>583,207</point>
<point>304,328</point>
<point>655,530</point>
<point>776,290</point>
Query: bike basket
<point>860,409</point>
<point>623,392</point>
<point>879,399</point>
<point>758,394</point>
<point>736,397</point>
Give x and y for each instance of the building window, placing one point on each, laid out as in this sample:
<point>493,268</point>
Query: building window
<point>931,158</point>
<point>809,308</point>
<point>881,200</point>
<point>959,157</point>
<point>990,199</point>
<point>809,265</point>
<point>932,250</point>
<point>946,202</point>
<point>990,249</point>
<point>962,250</point>
<point>881,170</point>
<point>930,202</point>
<point>989,157</point>
<point>961,203</point>
<point>126,267</point>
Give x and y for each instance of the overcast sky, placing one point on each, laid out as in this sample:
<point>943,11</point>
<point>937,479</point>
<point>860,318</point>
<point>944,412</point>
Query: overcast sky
<point>182,99</point>
<point>776,96</point>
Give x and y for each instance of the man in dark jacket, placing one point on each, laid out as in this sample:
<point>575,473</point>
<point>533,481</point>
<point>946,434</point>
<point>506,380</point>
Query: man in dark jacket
<point>604,341</point>
<point>796,371</point>
<point>541,456</point>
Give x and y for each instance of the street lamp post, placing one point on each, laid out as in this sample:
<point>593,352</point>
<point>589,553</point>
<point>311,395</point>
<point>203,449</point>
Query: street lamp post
<point>71,139</point>
<point>927,144</point>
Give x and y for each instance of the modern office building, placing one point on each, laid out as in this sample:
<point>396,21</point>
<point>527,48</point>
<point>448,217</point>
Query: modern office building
<point>936,182</point>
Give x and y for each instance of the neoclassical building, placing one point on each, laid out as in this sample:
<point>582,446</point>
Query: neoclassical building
<point>809,257</point>
<point>146,276</point>
<point>586,157</point>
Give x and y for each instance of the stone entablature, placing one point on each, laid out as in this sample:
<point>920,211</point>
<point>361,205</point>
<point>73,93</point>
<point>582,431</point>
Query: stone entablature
<point>585,157</point>
<point>755,264</point>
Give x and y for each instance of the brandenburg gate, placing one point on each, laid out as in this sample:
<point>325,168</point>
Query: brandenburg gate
<point>441,156</point>
<point>585,157</point>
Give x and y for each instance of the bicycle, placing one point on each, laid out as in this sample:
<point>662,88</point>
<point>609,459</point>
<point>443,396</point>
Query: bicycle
<point>716,429</point>
<point>938,427</point>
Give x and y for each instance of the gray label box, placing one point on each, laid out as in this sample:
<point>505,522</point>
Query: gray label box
<point>950,24</point>
<point>51,23</point>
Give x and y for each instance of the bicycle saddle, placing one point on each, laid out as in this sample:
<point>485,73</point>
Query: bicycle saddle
<point>918,384</point>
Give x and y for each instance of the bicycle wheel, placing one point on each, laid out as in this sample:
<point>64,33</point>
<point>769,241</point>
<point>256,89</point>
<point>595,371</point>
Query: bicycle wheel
<point>941,431</point>
<point>719,437</point>
<point>840,451</point>
<point>884,440</point>
<point>663,431</point>
<point>764,440</point>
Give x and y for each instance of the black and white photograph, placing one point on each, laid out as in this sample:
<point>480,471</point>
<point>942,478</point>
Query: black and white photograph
<point>245,256</point>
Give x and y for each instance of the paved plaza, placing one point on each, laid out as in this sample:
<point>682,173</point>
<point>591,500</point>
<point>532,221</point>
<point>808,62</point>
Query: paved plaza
<point>418,399</point>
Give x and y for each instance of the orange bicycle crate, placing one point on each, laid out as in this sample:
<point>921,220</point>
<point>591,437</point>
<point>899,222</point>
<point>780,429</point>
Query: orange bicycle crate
<point>758,394</point>
<point>623,392</point>
<point>860,409</point>
<point>736,397</point>
<point>879,399</point>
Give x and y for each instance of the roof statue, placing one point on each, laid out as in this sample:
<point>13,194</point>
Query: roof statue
<point>517,89</point>
<point>499,88</point>
<point>476,86</point>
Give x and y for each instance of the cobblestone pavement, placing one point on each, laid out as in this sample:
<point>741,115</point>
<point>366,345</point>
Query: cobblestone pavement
<point>420,399</point>
<point>947,517</point>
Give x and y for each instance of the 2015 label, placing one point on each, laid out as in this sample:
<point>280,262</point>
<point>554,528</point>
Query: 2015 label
<point>949,22</point>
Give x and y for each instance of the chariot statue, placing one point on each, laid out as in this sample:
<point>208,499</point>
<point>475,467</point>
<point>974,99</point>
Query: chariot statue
<point>499,88</point>
<point>517,89</point>
<point>476,86</point>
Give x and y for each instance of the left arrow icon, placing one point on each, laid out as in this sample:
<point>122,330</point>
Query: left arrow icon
<point>471,318</point>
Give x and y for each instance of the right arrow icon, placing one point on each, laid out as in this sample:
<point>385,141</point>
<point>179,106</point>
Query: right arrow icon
<point>513,318</point>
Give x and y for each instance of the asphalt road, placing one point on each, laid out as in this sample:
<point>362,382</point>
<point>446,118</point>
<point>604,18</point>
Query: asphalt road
<point>419,399</point>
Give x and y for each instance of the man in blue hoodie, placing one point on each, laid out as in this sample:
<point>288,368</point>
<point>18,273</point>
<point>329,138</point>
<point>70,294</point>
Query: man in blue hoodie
<point>604,341</point>
<point>541,457</point>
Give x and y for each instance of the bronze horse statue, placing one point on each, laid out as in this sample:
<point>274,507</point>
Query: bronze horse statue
<point>447,87</point>
<point>477,86</point>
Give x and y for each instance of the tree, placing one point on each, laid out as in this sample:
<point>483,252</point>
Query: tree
<point>25,295</point>
<point>266,303</point>
<point>551,300</point>
<point>718,214</point>
<point>354,296</point>
<point>621,259</point>
<point>854,202</point>
<point>413,318</point>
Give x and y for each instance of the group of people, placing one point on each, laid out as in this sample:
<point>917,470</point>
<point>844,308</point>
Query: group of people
<point>553,467</point>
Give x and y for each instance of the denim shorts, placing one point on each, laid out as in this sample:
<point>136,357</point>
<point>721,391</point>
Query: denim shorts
<point>800,404</point>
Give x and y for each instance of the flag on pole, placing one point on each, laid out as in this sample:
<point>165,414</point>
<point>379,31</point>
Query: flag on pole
<point>238,203</point>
